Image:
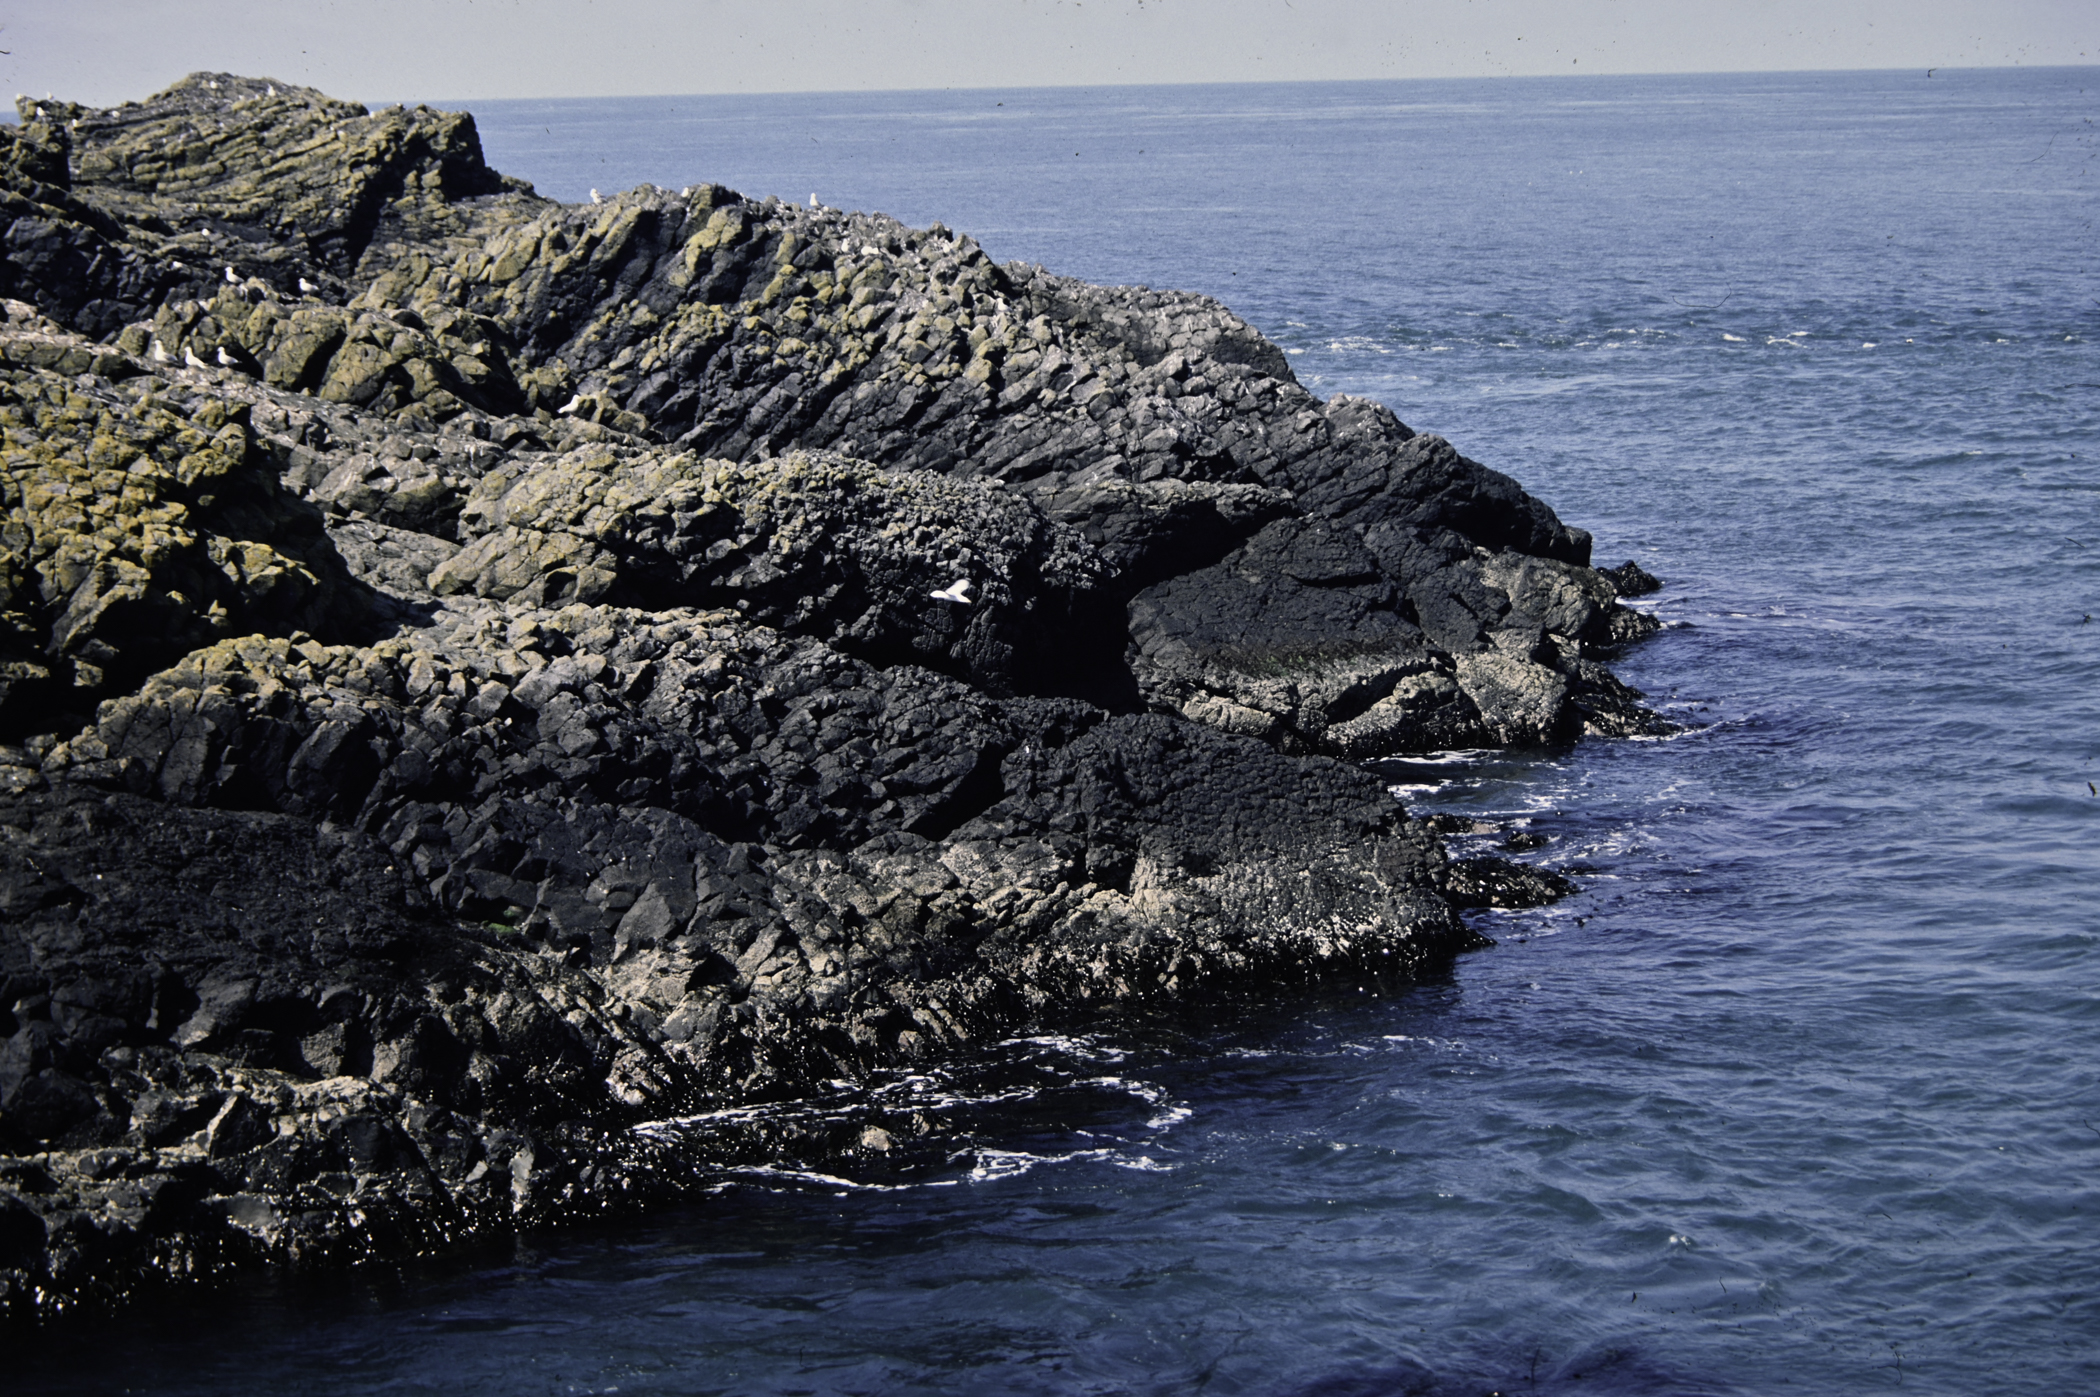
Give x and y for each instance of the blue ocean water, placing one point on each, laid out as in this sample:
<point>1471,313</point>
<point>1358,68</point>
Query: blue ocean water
<point>1801,1093</point>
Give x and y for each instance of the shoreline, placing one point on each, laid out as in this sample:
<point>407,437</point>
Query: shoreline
<point>484,673</point>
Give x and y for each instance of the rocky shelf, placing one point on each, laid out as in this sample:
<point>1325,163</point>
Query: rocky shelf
<point>472,678</point>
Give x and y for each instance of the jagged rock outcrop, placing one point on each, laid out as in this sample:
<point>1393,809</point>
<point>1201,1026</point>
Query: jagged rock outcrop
<point>473,681</point>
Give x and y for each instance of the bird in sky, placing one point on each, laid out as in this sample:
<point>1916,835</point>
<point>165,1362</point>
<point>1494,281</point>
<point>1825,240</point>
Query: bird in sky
<point>956,592</point>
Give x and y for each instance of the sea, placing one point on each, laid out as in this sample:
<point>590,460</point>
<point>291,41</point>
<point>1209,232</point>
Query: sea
<point>1800,1093</point>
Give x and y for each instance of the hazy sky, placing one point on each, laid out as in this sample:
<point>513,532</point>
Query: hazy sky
<point>103,51</point>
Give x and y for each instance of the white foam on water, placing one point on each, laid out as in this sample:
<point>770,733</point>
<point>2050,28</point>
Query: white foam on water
<point>1167,1111</point>
<point>820,1179</point>
<point>993,1165</point>
<point>1079,1045</point>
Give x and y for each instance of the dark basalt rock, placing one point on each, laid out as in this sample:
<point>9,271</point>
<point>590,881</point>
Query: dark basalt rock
<point>471,682</point>
<point>1630,579</point>
<point>1504,883</point>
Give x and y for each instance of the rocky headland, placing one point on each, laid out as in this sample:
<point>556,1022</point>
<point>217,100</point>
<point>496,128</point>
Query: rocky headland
<point>472,684</point>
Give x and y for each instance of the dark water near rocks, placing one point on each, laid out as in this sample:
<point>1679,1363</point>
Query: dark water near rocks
<point>1801,1094</point>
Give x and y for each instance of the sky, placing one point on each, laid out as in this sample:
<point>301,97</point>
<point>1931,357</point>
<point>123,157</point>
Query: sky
<point>104,51</point>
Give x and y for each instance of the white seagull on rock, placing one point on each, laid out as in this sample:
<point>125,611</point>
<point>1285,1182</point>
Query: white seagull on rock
<point>957,592</point>
<point>233,278</point>
<point>571,405</point>
<point>158,353</point>
<point>189,356</point>
<point>307,288</point>
<point>596,197</point>
<point>227,359</point>
<point>813,201</point>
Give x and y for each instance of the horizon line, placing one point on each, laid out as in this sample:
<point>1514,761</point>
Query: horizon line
<point>1283,82</point>
<point>447,103</point>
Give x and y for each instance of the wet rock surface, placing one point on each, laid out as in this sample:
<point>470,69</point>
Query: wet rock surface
<point>478,675</point>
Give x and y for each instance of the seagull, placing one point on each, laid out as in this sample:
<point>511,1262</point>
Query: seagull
<point>813,201</point>
<point>571,405</point>
<point>273,89</point>
<point>957,592</point>
<point>227,359</point>
<point>189,356</point>
<point>307,288</point>
<point>596,197</point>
<point>233,278</point>
<point>158,353</point>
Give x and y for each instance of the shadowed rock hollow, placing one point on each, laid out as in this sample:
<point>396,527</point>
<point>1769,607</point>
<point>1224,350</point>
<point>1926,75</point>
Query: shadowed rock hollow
<point>471,679</point>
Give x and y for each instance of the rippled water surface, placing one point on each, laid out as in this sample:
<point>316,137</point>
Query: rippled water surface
<point>1798,1095</point>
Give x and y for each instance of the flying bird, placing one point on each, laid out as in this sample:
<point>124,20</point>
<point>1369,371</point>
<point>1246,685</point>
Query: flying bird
<point>957,592</point>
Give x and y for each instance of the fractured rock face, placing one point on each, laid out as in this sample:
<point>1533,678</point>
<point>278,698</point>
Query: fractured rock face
<point>140,527</point>
<point>817,545</point>
<point>477,674</point>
